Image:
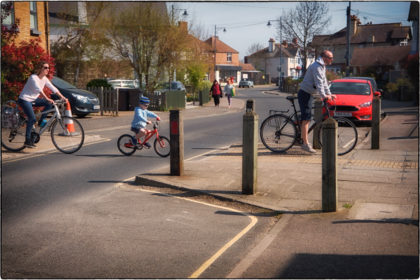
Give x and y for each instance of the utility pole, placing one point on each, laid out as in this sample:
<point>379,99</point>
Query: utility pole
<point>280,29</point>
<point>214,47</point>
<point>348,39</point>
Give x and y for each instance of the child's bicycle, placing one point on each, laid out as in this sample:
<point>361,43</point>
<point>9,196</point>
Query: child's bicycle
<point>128,144</point>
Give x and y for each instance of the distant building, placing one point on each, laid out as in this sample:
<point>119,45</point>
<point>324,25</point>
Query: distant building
<point>33,21</point>
<point>226,60</point>
<point>361,36</point>
<point>267,60</point>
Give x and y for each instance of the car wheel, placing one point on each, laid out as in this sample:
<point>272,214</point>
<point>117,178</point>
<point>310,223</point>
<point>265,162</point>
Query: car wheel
<point>82,115</point>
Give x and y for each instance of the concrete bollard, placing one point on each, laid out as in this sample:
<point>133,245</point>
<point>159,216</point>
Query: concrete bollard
<point>176,128</point>
<point>249,149</point>
<point>329,166</point>
<point>318,119</point>
<point>376,123</point>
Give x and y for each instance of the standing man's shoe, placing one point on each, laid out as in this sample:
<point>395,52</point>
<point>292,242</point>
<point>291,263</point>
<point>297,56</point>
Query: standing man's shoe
<point>308,148</point>
<point>29,144</point>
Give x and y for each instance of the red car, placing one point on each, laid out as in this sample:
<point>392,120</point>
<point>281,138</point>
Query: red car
<point>354,99</point>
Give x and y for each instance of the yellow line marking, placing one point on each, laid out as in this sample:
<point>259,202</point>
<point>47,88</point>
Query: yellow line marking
<point>224,248</point>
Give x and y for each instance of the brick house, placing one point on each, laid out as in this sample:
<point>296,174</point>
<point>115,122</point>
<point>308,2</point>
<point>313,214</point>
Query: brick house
<point>361,36</point>
<point>226,60</point>
<point>33,22</point>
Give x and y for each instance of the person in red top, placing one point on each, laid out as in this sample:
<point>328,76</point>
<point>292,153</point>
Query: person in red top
<point>216,92</point>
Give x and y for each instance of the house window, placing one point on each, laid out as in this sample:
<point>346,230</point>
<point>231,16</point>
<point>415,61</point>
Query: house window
<point>34,19</point>
<point>404,43</point>
<point>10,19</point>
<point>229,57</point>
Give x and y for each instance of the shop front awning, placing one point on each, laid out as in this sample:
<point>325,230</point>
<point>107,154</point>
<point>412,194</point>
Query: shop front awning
<point>228,68</point>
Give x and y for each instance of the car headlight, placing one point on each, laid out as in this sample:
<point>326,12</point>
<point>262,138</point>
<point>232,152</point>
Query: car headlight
<point>366,104</point>
<point>81,98</point>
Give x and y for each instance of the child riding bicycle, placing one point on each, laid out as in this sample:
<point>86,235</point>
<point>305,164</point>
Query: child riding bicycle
<point>138,125</point>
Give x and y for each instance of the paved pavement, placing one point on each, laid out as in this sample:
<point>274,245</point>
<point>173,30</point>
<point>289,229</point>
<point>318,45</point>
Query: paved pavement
<point>374,234</point>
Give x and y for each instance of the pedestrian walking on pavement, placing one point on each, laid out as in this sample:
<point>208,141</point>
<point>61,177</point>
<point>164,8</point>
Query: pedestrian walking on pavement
<point>229,89</point>
<point>216,92</point>
<point>314,82</point>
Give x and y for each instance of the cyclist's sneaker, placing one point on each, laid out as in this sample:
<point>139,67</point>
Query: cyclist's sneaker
<point>29,144</point>
<point>308,148</point>
<point>147,145</point>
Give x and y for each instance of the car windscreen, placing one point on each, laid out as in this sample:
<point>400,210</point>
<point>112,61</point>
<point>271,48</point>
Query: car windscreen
<point>62,84</point>
<point>350,88</point>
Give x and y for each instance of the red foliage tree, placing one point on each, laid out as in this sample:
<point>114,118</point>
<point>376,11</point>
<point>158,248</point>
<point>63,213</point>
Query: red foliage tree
<point>18,61</point>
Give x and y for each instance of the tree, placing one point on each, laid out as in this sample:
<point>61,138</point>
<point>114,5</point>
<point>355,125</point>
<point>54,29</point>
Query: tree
<point>254,48</point>
<point>306,20</point>
<point>144,35</point>
<point>82,42</point>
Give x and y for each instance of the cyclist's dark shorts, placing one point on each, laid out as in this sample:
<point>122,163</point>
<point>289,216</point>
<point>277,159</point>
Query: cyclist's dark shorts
<point>305,103</point>
<point>135,129</point>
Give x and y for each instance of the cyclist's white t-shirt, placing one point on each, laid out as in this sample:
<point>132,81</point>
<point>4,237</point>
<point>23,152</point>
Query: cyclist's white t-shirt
<point>34,86</point>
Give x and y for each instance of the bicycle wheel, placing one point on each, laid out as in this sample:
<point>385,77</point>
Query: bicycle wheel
<point>67,135</point>
<point>162,146</point>
<point>278,133</point>
<point>13,136</point>
<point>346,136</point>
<point>125,144</point>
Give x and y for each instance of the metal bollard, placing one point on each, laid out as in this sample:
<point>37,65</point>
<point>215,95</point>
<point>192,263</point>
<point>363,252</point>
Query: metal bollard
<point>329,166</point>
<point>176,128</point>
<point>318,119</point>
<point>249,149</point>
<point>376,123</point>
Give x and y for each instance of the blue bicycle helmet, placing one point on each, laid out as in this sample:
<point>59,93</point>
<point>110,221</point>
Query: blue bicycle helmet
<point>144,100</point>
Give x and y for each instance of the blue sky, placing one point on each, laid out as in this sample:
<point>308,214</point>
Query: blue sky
<point>246,22</point>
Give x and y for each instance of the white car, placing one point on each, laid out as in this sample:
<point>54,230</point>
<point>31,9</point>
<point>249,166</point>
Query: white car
<point>246,83</point>
<point>123,83</point>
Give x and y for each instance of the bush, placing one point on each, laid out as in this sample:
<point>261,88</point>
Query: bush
<point>97,83</point>
<point>18,63</point>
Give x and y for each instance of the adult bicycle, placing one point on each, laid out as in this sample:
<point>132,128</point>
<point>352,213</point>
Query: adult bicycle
<point>279,132</point>
<point>66,133</point>
<point>128,144</point>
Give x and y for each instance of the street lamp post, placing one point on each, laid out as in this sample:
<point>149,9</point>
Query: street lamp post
<point>280,29</point>
<point>216,28</point>
<point>184,14</point>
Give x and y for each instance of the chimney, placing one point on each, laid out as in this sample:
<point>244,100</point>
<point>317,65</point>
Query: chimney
<point>183,25</point>
<point>284,43</point>
<point>271,45</point>
<point>353,25</point>
<point>295,41</point>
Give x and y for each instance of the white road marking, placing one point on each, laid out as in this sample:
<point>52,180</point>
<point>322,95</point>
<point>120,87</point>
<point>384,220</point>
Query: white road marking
<point>225,247</point>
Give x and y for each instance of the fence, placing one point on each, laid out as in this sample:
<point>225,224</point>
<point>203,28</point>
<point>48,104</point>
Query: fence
<point>108,98</point>
<point>114,100</point>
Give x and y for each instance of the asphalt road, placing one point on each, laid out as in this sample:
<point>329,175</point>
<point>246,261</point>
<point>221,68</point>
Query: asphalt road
<point>72,216</point>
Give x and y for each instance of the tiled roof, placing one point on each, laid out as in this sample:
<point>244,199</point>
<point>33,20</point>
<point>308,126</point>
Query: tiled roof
<point>247,67</point>
<point>383,55</point>
<point>221,47</point>
<point>382,34</point>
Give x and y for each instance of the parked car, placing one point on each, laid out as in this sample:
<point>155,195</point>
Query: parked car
<point>123,83</point>
<point>246,83</point>
<point>371,80</point>
<point>174,85</point>
<point>354,98</point>
<point>82,102</point>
